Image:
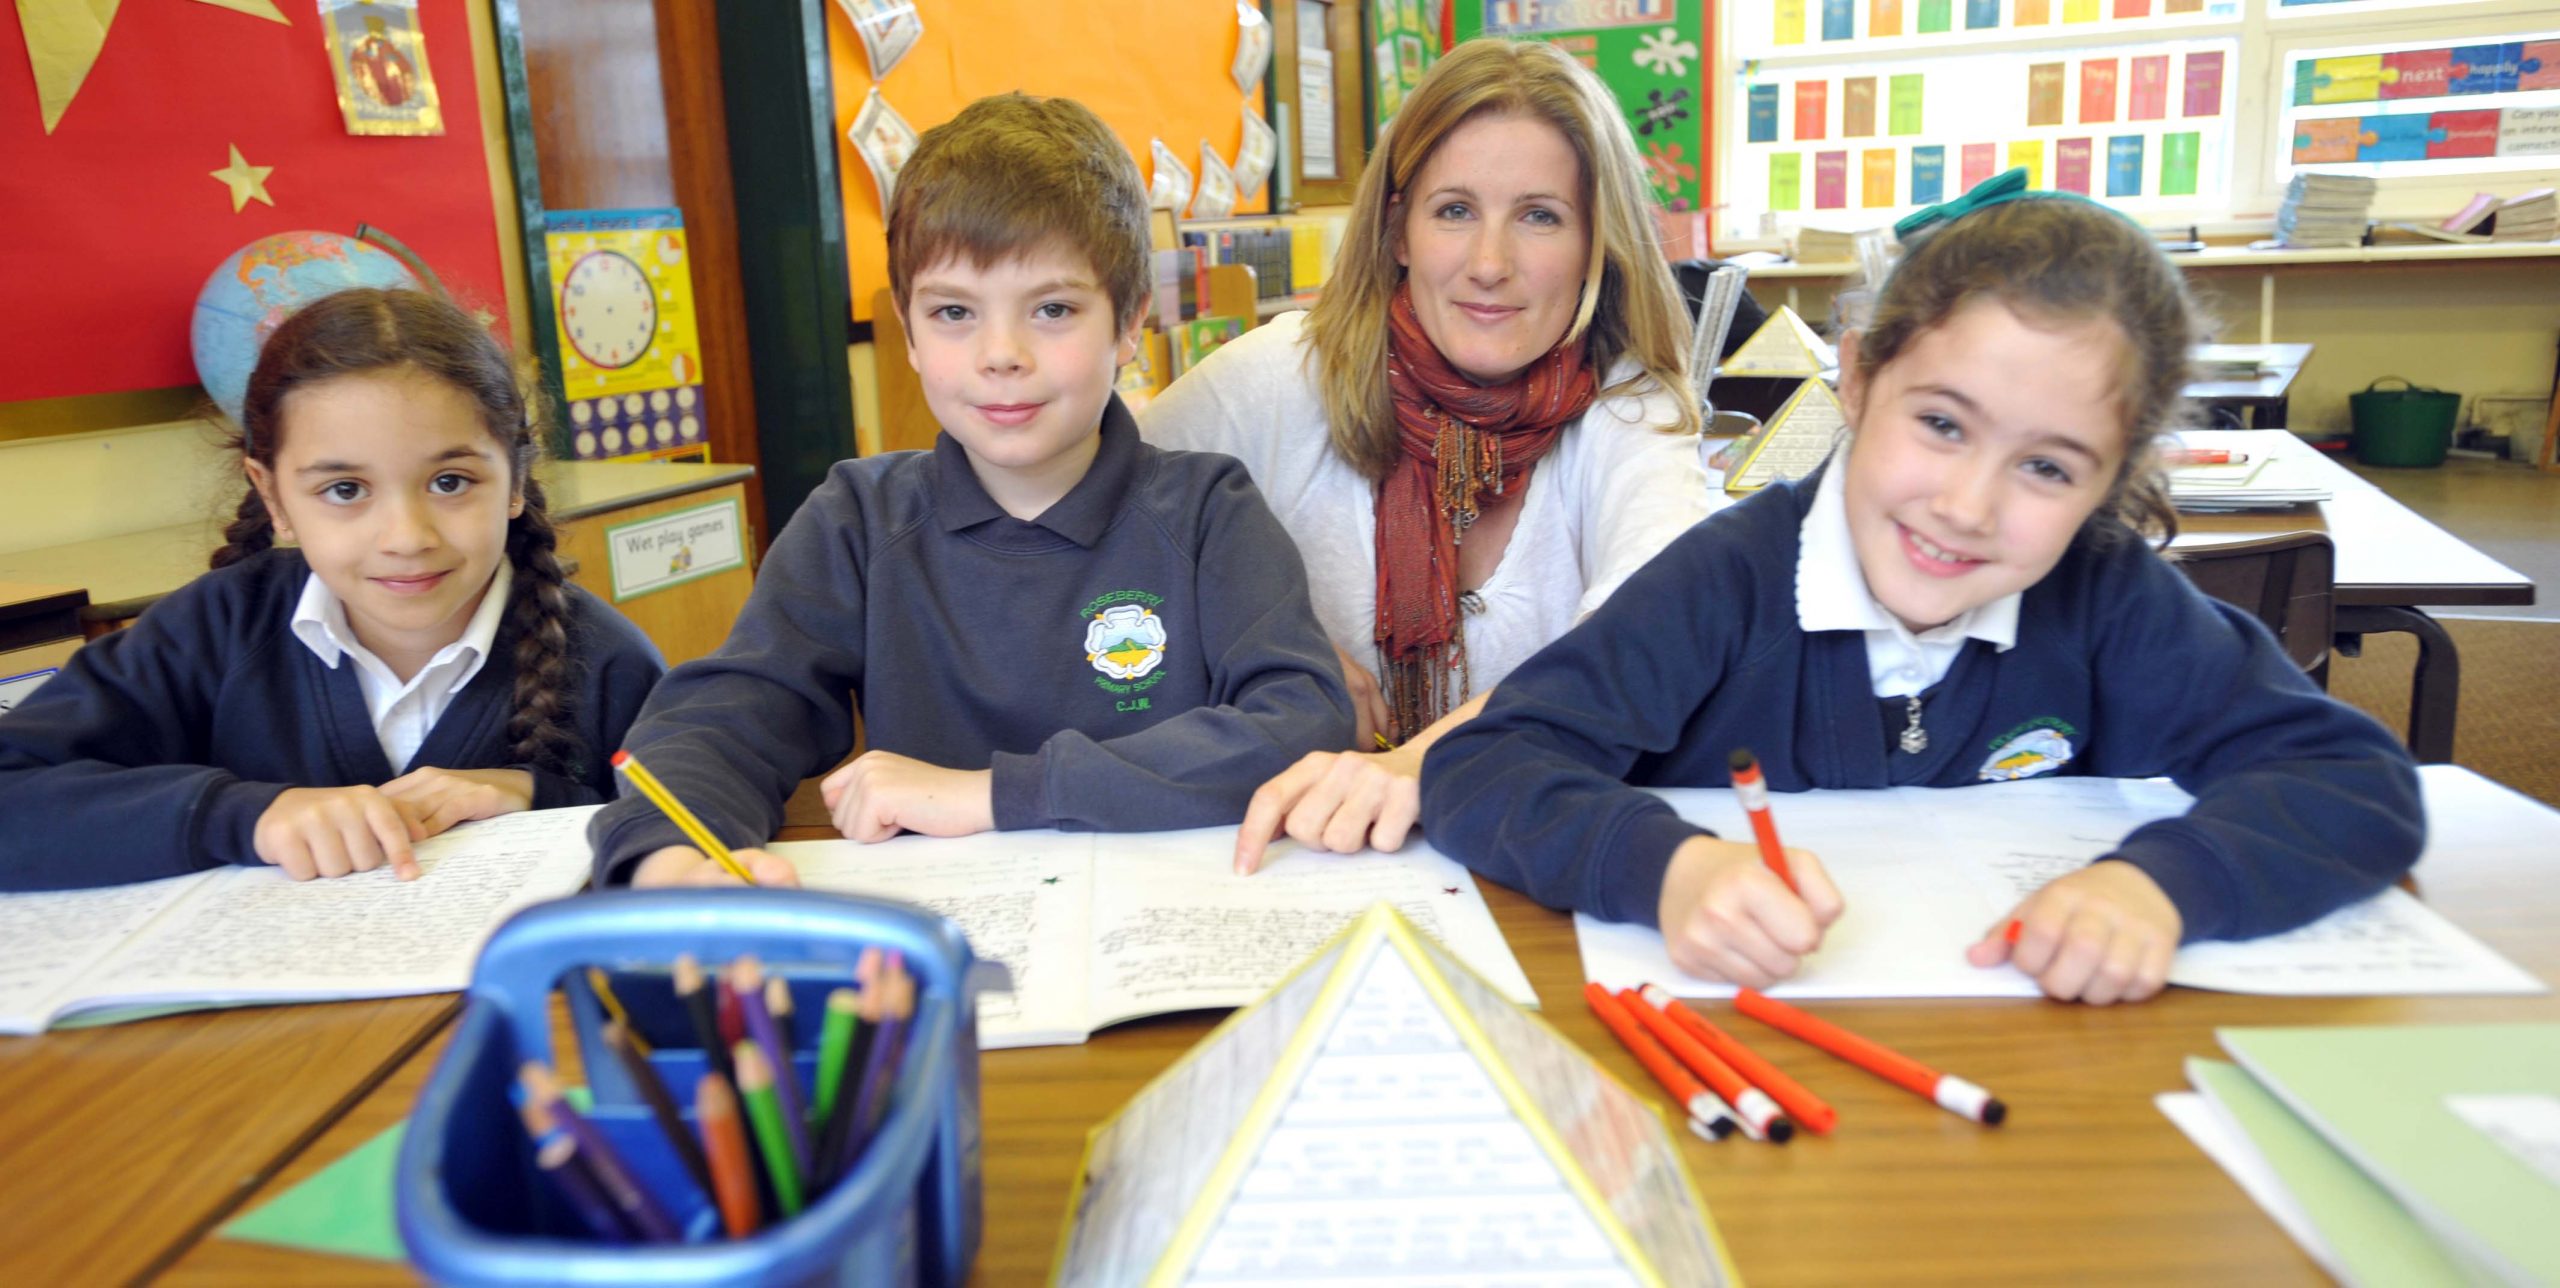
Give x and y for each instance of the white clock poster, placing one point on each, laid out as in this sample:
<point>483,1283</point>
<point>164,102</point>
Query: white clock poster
<point>630,354</point>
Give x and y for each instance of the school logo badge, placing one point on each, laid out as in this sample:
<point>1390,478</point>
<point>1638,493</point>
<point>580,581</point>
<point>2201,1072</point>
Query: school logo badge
<point>2036,747</point>
<point>1125,641</point>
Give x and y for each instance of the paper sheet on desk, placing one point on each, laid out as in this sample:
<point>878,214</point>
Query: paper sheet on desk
<point>1926,871</point>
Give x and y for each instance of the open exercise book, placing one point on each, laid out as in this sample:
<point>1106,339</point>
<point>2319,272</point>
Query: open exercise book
<point>236,936</point>
<point>1101,928</point>
<point>1926,871</point>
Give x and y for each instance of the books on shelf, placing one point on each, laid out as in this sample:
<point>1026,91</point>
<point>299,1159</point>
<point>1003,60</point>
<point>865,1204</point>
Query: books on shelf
<point>2531,216</point>
<point>1823,246</point>
<point>2325,210</point>
<point>238,936</point>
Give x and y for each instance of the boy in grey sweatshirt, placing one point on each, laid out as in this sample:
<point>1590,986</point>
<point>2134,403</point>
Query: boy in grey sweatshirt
<point>1045,622</point>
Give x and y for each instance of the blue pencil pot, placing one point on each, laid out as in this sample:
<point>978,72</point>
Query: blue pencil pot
<point>473,1209</point>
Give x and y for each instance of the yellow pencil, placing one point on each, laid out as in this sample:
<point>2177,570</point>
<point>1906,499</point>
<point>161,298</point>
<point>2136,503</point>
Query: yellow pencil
<point>1383,744</point>
<point>674,809</point>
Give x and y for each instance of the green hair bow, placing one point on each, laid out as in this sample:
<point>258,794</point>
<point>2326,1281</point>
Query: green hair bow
<point>2008,185</point>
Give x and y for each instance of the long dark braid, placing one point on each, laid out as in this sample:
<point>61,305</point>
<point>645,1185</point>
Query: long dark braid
<point>540,730</point>
<point>366,330</point>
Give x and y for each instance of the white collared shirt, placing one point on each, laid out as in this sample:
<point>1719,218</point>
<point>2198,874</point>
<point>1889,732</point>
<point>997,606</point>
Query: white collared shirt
<point>1832,595</point>
<point>403,713</point>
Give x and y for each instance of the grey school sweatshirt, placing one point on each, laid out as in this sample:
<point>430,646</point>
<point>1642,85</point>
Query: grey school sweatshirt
<point>1141,656</point>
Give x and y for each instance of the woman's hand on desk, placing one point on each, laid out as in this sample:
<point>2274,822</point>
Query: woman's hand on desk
<point>2101,935</point>
<point>332,831</point>
<point>683,865</point>
<point>878,793</point>
<point>1726,916</point>
<point>1342,801</point>
<point>443,797</point>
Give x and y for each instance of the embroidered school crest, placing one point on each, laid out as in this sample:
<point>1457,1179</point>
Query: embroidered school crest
<point>2037,747</point>
<point>1125,641</point>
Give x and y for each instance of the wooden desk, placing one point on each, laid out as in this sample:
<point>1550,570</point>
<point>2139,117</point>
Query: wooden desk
<point>2393,565</point>
<point>2261,401</point>
<point>120,1147</point>
<point>2088,1181</point>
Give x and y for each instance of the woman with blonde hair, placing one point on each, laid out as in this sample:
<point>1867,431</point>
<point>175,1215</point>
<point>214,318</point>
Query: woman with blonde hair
<point>1484,425</point>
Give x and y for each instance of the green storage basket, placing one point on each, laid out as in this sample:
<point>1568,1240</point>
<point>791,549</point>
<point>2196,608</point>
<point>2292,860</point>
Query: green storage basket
<point>2408,426</point>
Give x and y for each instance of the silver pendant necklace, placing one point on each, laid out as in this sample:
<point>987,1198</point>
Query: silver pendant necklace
<point>1914,738</point>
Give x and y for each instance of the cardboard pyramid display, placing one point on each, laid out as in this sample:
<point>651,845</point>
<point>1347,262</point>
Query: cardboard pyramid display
<point>1792,443</point>
<point>1385,1114</point>
<point>1783,346</point>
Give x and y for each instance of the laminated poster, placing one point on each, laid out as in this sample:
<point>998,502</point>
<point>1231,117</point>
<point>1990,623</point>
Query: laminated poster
<point>1216,198</point>
<point>2071,166</point>
<point>2204,84</point>
<point>1884,18</point>
<point>1839,20</point>
<point>889,29</point>
<point>1982,15</point>
<point>2079,10</point>
<point>1904,112</point>
<point>1934,16</point>
<point>2124,166</point>
<point>2148,99</point>
<point>1858,107</point>
<point>2097,91</point>
<point>1786,180</point>
<point>2417,73</point>
<point>1255,154</point>
<point>2044,94</point>
<point>378,60</point>
<point>1812,105</point>
<point>1980,161</point>
<point>2320,142</point>
<point>1786,23</point>
<point>885,141</point>
<point>2029,153</point>
<point>2033,13</point>
<point>2393,138</point>
<point>2462,134</point>
<point>2179,154</point>
<point>1830,180</point>
<point>1762,114</point>
<point>1875,185</point>
<point>1171,188</point>
<point>2529,131</point>
<point>1253,46</point>
<point>1928,176</point>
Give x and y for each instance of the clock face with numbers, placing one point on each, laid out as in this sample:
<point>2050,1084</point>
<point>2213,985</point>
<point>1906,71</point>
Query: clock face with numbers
<point>609,309</point>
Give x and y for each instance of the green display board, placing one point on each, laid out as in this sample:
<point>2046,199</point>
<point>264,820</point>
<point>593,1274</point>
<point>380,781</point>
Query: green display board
<point>1404,41</point>
<point>1648,52</point>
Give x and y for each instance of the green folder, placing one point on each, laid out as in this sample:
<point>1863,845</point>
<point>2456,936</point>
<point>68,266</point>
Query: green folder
<point>2380,1095</point>
<point>344,1208</point>
<point>2371,1237</point>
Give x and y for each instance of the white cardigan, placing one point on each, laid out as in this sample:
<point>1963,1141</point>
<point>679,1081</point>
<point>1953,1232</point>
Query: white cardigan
<point>1609,496</point>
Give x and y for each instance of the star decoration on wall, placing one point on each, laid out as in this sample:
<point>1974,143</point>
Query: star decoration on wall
<point>65,37</point>
<point>248,182</point>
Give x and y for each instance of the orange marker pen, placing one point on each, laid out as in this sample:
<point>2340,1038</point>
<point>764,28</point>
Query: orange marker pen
<point>1708,1115</point>
<point>1806,1108</point>
<point>1753,791</point>
<point>1951,1093</point>
<point>1759,1113</point>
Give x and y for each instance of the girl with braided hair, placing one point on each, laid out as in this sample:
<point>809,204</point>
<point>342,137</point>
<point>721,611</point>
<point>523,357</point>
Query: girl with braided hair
<point>386,646</point>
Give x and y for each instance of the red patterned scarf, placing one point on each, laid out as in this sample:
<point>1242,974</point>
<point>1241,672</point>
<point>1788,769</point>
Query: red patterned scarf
<point>1460,440</point>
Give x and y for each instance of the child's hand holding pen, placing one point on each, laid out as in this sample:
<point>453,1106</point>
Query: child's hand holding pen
<point>1728,915</point>
<point>683,865</point>
<point>2101,935</point>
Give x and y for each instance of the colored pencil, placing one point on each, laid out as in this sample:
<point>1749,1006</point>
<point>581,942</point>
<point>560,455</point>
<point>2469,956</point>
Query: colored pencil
<point>675,811</point>
<point>662,1105</point>
<point>701,1008</point>
<point>613,1175</point>
<point>724,1143</point>
<point>603,986</point>
<point>746,977</point>
<point>835,1044</point>
<point>1752,790</point>
<point>773,1136</point>
<point>838,1127</point>
<point>569,1174</point>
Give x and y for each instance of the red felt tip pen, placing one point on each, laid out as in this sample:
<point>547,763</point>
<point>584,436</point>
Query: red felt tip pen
<point>1759,1113</point>
<point>1948,1091</point>
<point>1806,1108</point>
<point>1708,1115</point>
<point>2203,456</point>
<point>1753,791</point>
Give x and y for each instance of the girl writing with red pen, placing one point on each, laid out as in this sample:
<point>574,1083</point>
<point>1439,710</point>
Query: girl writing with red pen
<point>1964,594</point>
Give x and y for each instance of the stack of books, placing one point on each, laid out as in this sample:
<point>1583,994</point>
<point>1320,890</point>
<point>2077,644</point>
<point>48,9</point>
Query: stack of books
<point>2534,216</point>
<point>2393,1155</point>
<point>2324,210</point>
<point>2233,470</point>
<point>1823,246</point>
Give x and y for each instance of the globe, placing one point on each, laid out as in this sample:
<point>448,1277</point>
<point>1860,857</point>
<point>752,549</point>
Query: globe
<point>260,286</point>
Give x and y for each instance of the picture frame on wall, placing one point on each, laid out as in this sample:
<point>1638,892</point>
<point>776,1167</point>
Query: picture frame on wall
<point>1319,85</point>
